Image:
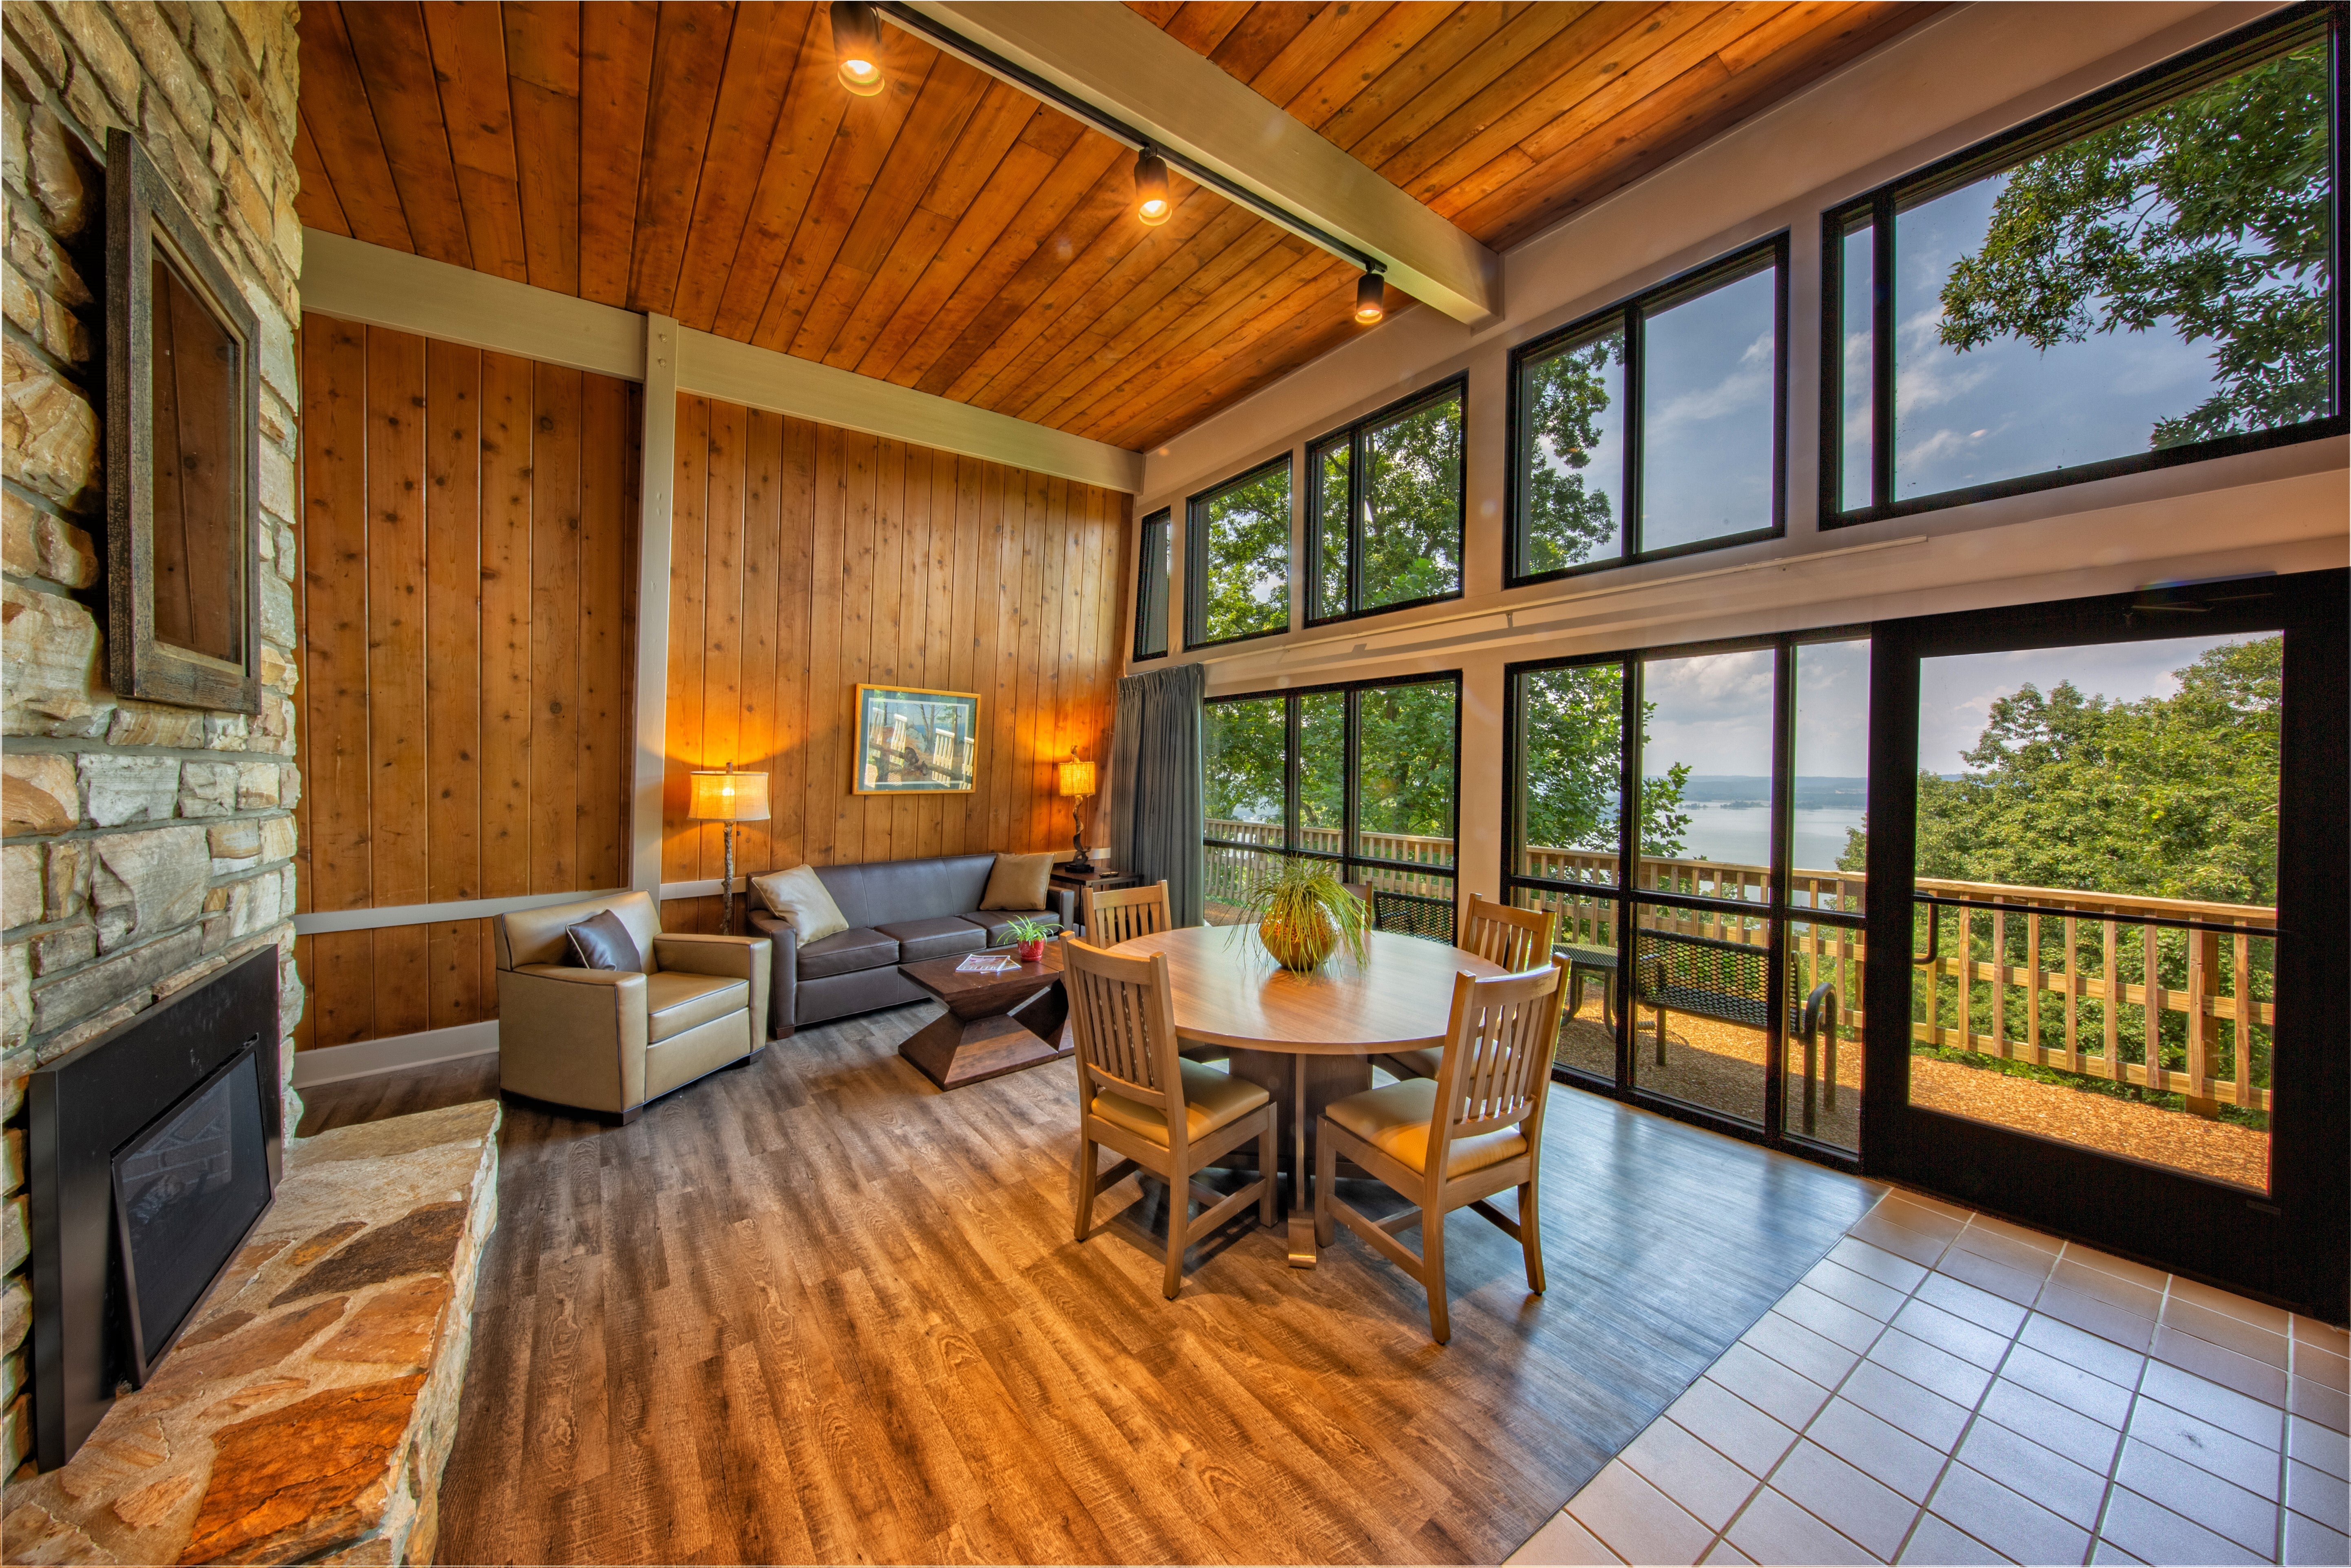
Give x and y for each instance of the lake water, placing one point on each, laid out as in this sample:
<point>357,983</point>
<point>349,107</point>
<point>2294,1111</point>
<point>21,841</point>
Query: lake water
<point>1743,834</point>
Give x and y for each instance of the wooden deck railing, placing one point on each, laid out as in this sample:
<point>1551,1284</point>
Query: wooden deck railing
<point>2063,985</point>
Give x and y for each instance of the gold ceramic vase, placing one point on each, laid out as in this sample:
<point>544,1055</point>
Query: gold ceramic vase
<point>1300,944</point>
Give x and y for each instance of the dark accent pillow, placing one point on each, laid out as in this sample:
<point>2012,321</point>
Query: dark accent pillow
<point>602,941</point>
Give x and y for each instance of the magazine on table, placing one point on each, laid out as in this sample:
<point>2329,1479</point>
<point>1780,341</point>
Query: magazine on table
<point>986,964</point>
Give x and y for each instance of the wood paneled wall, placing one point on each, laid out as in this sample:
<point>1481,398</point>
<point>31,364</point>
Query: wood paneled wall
<point>470,525</point>
<point>807,558</point>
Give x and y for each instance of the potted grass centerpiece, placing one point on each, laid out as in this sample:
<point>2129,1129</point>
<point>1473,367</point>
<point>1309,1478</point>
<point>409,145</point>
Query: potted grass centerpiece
<point>1302,914</point>
<point>1027,939</point>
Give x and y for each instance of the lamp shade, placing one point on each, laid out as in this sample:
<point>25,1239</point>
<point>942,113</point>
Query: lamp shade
<point>1077,778</point>
<point>727,796</point>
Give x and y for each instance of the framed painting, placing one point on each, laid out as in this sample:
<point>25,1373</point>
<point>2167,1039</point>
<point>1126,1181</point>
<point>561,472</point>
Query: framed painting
<point>915,742</point>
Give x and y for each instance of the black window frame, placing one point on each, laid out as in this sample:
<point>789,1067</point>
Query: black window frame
<point>1626,314</point>
<point>1351,771</point>
<point>2183,73</point>
<point>1777,910</point>
<point>1164,519</point>
<point>1455,386</point>
<point>1196,557</point>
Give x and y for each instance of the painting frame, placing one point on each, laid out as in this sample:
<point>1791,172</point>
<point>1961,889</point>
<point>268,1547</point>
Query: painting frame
<point>879,711</point>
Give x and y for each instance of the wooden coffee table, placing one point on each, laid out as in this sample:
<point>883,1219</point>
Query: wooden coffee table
<point>993,1024</point>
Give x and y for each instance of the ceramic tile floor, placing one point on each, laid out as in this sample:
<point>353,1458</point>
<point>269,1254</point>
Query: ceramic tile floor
<point>1947,1387</point>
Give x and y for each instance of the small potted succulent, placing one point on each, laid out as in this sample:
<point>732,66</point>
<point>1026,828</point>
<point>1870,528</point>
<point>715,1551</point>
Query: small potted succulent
<point>1027,939</point>
<point>1304,914</point>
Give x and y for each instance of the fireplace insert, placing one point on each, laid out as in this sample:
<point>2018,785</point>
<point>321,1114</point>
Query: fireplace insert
<point>153,1150</point>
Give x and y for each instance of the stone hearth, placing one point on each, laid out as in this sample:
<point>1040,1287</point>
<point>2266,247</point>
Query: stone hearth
<point>306,1414</point>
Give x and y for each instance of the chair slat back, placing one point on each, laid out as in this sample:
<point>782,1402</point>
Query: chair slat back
<point>1517,939</point>
<point>1114,916</point>
<point>1122,1016</point>
<point>1497,1052</point>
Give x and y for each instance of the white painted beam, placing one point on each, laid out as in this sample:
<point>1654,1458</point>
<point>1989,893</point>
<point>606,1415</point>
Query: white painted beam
<point>1110,57</point>
<point>657,488</point>
<point>384,287</point>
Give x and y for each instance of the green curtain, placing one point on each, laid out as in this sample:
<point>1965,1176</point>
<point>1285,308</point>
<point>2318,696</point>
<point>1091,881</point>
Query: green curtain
<point>1155,785</point>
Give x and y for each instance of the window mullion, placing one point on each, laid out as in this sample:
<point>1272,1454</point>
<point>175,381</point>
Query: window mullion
<point>1358,504</point>
<point>1350,779</point>
<point>1881,353</point>
<point>1628,851</point>
<point>1634,355</point>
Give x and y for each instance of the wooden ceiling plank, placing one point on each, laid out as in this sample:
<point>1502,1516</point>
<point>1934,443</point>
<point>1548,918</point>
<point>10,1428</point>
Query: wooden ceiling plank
<point>542,40</point>
<point>989,137</point>
<point>543,84</point>
<point>1534,29</point>
<point>388,40</point>
<point>1466,31</point>
<point>1826,30</point>
<point>616,55</point>
<point>1201,24</point>
<point>804,139</point>
<point>1262,34</point>
<point>1139,284</point>
<point>1123,254</point>
<point>1399,35</point>
<point>1559,78</point>
<point>762,63</point>
<point>1231,317</point>
<point>314,202</point>
<point>1285,302</point>
<point>1017,179</point>
<point>1158,13</point>
<point>469,63</point>
<point>1689,54</point>
<point>949,99</point>
<point>690,53</point>
<point>1332,32</point>
<point>343,129</point>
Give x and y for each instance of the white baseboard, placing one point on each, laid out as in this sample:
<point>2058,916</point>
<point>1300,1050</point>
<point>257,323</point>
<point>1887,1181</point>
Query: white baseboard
<point>395,1053</point>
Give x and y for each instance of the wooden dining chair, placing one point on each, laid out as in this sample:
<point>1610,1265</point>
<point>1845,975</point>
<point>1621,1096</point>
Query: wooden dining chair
<point>1456,1139</point>
<point>1111,918</point>
<point>1517,939</point>
<point>1154,1110</point>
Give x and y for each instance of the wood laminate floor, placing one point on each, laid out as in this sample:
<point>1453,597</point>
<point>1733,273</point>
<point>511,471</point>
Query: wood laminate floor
<point>814,1310</point>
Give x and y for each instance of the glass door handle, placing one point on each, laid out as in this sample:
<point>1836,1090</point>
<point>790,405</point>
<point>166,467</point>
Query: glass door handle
<point>1934,937</point>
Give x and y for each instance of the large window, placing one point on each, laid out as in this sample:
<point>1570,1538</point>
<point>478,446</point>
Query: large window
<point>1385,500</point>
<point>1722,977</point>
<point>1655,427</point>
<point>1364,777</point>
<point>1237,577</point>
<point>1151,586</point>
<point>2147,278</point>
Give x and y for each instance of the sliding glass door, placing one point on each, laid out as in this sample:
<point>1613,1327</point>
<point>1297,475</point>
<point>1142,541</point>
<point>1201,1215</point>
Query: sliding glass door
<point>1362,776</point>
<point>1721,979</point>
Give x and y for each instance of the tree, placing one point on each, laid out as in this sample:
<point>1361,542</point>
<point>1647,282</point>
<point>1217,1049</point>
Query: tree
<point>1566,396</point>
<point>1248,591</point>
<point>2212,212</point>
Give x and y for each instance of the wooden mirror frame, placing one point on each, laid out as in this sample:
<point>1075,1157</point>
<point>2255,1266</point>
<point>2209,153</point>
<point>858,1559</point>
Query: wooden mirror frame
<point>138,206</point>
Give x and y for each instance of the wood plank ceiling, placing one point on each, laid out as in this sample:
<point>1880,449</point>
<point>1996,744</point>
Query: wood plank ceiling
<point>953,234</point>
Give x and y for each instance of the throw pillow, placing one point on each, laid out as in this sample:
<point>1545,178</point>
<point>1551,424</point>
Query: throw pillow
<point>1018,881</point>
<point>800,899</point>
<point>602,941</point>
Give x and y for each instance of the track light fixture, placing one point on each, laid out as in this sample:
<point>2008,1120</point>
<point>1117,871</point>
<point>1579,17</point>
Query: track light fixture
<point>857,45</point>
<point>1151,203</point>
<point>1371,298</point>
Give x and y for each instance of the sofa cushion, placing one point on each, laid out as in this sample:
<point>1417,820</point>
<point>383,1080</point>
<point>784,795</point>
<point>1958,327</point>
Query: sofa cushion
<point>853,949</point>
<point>799,898</point>
<point>948,933</point>
<point>998,921</point>
<point>677,1000</point>
<point>602,941</point>
<point>1018,881</point>
<point>882,892</point>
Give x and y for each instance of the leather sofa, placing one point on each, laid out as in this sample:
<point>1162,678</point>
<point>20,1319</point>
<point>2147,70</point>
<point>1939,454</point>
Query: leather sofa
<point>607,1040</point>
<point>899,912</point>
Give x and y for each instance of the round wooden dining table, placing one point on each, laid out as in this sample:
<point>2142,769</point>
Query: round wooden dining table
<point>1307,1038</point>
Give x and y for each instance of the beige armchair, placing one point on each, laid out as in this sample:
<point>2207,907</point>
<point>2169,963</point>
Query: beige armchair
<point>607,1041</point>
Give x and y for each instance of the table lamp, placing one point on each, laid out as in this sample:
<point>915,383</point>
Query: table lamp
<point>728,797</point>
<point>1077,783</point>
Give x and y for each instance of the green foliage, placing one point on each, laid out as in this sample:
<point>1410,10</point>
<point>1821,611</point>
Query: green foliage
<point>1412,515</point>
<point>1242,760</point>
<point>1572,723</point>
<point>1564,398</point>
<point>2172,797</point>
<point>1405,782</point>
<point>1248,529</point>
<point>2209,215</point>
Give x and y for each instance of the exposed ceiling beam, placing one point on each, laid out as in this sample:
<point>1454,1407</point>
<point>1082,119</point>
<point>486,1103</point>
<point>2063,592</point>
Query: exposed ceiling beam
<point>384,287</point>
<point>1107,56</point>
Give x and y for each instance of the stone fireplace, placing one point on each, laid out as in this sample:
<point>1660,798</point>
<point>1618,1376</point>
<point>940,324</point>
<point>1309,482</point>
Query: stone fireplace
<point>147,846</point>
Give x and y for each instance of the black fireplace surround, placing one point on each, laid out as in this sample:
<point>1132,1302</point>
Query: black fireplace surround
<point>153,1150</point>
